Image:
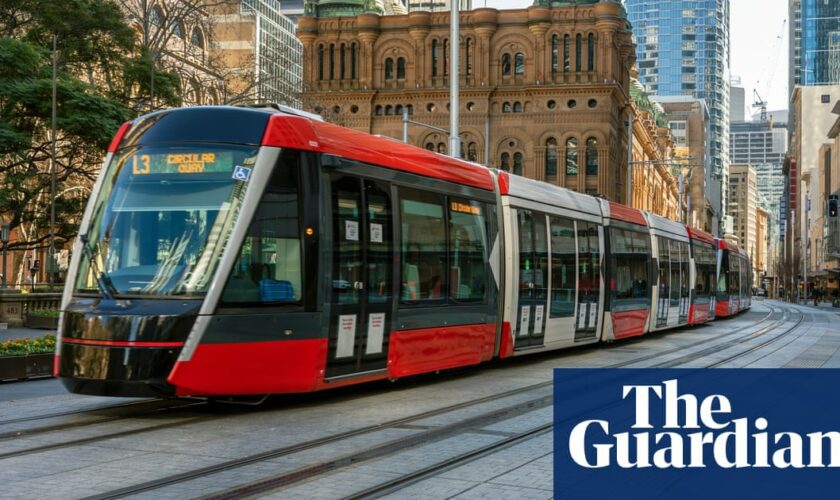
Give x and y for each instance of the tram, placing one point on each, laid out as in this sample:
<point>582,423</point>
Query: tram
<point>735,277</point>
<point>247,251</point>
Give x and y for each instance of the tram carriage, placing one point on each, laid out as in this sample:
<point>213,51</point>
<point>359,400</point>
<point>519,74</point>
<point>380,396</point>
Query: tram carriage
<point>241,251</point>
<point>734,284</point>
<point>703,276</point>
<point>671,302</point>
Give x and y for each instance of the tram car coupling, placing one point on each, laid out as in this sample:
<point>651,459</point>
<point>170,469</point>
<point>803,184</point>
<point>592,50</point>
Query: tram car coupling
<point>231,251</point>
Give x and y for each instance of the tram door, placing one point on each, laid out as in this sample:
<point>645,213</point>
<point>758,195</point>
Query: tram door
<point>589,281</point>
<point>362,276</point>
<point>533,279</point>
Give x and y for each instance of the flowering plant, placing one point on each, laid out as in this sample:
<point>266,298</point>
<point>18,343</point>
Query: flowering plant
<point>24,346</point>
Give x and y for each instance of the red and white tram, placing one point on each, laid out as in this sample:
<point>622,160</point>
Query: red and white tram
<point>237,251</point>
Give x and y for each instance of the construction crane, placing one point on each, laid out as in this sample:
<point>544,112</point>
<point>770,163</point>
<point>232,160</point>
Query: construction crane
<point>760,103</point>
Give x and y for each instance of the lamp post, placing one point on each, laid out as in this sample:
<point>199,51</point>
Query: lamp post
<point>4,237</point>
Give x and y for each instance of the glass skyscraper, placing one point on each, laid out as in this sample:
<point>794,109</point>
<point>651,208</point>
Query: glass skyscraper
<point>682,48</point>
<point>815,42</point>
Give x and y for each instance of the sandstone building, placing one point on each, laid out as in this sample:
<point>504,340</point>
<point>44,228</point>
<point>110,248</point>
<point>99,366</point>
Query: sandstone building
<point>550,84</point>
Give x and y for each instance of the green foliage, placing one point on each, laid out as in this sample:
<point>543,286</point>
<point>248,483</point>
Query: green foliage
<point>24,346</point>
<point>103,79</point>
<point>43,313</point>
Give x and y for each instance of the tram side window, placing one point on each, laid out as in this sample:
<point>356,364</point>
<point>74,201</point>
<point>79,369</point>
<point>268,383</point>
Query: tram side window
<point>422,246</point>
<point>467,250</point>
<point>589,263</point>
<point>676,272</point>
<point>630,255</point>
<point>724,276</point>
<point>664,268</point>
<point>684,285</point>
<point>268,269</point>
<point>563,262</point>
<point>734,274</point>
<point>704,263</point>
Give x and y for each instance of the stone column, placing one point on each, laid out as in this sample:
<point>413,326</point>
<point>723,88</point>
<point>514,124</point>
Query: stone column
<point>485,21</point>
<point>368,25</point>
<point>419,28</point>
<point>539,20</point>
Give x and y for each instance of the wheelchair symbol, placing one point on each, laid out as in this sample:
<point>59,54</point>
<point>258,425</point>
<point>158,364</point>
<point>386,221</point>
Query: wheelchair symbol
<point>241,173</point>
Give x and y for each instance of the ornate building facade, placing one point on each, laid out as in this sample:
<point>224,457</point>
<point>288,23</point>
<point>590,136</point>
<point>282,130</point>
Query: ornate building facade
<point>544,90</point>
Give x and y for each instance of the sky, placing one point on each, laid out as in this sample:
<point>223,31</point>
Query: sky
<point>758,46</point>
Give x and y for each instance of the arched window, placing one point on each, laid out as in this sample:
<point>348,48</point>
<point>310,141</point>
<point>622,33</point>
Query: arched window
<point>505,164</point>
<point>179,31</point>
<point>445,57</point>
<point>430,146</point>
<point>505,64</point>
<point>389,68</point>
<point>389,110</point>
<point>506,108</point>
<point>379,111</point>
<point>401,68</point>
<point>571,156</point>
<point>567,65</point>
<point>156,16</point>
<point>591,59</point>
<point>410,109</point>
<point>519,63</point>
<point>332,61</point>
<point>434,58</point>
<point>341,72</point>
<point>577,52</point>
<point>320,62</point>
<point>472,154</point>
<point>555,53</point>
<point>551,157</point>
<point>517,107</point>
<point>441,148</point>
<point>197,38</point>
<point>517,163</point>
<point>591,156</point>
<point>468,56</point>
<point>398,110</point>
<point>353,61</point>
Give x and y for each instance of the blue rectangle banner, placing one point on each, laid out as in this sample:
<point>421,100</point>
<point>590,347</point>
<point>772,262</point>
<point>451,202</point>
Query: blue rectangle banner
<point>696,433</point>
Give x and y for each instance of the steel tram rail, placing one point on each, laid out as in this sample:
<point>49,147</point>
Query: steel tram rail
<point>381,450</point>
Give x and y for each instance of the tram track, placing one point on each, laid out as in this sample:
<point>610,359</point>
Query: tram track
<point>124,411</point>
<point>321,468</point>
<point>422,437</point>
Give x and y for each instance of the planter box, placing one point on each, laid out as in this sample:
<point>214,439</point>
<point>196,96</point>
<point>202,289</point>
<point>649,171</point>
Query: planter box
<point>24,367</point>
<point>41,322</point>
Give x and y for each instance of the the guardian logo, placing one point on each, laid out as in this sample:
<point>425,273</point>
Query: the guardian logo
<point>695,432</point>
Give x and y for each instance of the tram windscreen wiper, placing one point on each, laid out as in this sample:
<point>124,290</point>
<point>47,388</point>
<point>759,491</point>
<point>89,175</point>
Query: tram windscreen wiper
<point>106,286</point>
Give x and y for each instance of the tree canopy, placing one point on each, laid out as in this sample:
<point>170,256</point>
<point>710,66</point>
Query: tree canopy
<point>102,80</point>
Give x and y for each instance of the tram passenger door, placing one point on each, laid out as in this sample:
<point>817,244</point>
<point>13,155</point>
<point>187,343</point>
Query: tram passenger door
<point>362,276</point>
<point>589,281</point>
<point>533,279</point>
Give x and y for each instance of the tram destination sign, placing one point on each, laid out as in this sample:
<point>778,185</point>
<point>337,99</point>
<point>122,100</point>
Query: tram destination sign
<point>181,162</point>
<point>696,433</point>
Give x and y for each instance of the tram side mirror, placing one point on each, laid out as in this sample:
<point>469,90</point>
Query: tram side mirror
<point>331,161</point>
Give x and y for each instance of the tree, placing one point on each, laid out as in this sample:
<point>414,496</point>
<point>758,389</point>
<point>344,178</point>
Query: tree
<point>99,69</point>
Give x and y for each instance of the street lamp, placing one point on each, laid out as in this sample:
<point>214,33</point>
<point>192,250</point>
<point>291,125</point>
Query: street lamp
<point>4,238</point>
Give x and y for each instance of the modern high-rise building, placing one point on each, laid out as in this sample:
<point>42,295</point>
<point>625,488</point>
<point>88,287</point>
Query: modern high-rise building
<point>814,42</point>
<point>743,203</point>
<point>737,101</point>
<point>763,145</point>
<point>682,48</point>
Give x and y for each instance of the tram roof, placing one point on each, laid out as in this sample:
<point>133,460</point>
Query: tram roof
<point>700,235</point>
<point>298,132</point>
<point>617,211</point>
<point>548,194</point>
<point>660,226</point>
